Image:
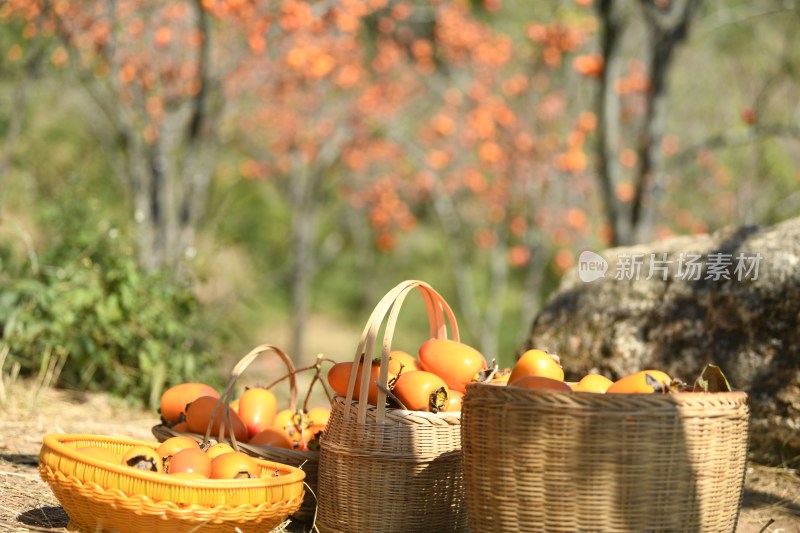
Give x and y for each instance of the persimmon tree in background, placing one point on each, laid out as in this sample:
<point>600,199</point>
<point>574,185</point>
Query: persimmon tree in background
<point>25,48</point>
<point>315,104</point>
<point>154,84</point>
<point>498,148</point>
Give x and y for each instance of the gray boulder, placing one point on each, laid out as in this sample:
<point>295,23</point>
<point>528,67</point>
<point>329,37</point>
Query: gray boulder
<point>731,298</point>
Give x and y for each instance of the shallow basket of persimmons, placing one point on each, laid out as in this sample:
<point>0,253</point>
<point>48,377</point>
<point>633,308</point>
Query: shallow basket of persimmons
<point>252,422</point>
<point>644,453</point>
<point>116,484</point>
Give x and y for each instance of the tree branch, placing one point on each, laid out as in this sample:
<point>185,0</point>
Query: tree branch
<point>667,29</point>
<point>739,137</point>
<point>607,106</point>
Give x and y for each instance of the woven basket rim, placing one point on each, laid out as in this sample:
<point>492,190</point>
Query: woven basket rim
<point>672,398</point>
<point>56,443</point>
<point>392,413</point>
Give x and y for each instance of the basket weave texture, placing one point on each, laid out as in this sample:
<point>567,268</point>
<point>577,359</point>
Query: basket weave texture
<point>100,496</point>
<point>306,460</point>
<point>391,470</point>
<point>561,462</point>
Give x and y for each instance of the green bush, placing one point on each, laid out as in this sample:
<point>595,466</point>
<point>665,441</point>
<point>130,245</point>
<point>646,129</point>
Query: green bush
<point>96,321</point>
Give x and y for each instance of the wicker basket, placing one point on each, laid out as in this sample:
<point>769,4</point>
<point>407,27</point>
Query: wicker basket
<point>100,496</point>
<point>306,460</point>
<point>386,470</point>
<point>537,460</point>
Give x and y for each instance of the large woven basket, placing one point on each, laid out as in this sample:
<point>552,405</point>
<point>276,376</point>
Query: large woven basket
<point>101,496</point>
<point>391,470</point>
<point>306,460</point>
<point>537,460</point>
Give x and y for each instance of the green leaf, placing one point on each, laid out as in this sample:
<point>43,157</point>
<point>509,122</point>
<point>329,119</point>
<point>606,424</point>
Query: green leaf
<point>711,380</point>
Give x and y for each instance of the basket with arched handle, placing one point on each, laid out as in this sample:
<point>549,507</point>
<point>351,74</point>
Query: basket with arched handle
<point>306,460</point>
<point>385,469</point>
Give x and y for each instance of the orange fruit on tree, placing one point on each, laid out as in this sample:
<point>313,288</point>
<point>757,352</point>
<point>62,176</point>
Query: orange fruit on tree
<point>642,382</point>
<point>455,362</point>
<point>593,383</point>
<point>539,382</point>
<point>537,363</point>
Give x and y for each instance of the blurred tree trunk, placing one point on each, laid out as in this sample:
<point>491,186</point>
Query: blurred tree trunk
<point>304,216</point>
<point>667,24</point>
<point>31,65</point>
<point>167,170</point>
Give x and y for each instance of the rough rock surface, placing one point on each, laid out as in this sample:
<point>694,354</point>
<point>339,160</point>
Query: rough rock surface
<point>679,320</point>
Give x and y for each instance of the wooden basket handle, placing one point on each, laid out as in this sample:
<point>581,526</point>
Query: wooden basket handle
<point>225,399</point>
<point>437,309</point>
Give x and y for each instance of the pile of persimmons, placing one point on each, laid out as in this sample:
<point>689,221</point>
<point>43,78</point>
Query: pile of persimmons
<point>183,458</point>
<point>254,417</point>
<point>435,382</point>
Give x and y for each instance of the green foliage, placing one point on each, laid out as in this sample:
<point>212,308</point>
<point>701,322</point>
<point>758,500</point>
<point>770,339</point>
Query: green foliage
<point>103,322</point>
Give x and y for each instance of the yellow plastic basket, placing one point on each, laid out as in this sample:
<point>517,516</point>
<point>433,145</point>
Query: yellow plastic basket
<point>100,496</point>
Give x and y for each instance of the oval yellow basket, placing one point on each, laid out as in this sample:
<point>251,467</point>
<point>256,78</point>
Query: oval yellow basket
<point>101,496</point>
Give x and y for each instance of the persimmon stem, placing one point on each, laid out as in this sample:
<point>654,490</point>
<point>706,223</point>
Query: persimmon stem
<point>494,371</point>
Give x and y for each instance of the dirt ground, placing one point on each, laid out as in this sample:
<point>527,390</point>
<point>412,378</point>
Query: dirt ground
<point>771,500</point>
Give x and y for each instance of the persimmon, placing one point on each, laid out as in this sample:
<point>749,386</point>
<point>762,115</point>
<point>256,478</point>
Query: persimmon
<point>318,416</point>
<point>310,437</point>
<point>234,465</point>
<point>537,363</point>
<point>593,383</point>
<point>219,449</point>
<point>339,377</point>
<point>285,419</point>
<point>190,460</point>
<point>100,453</point>
<point>403,361</point>
<point>642,382</point>
<point>175,399</point>
<point>172,445</point>
<point>144,458</point>
<point>257,409</point>
<point>422,391</point>
<point>539,382</point>
<point>200,411</point>
<point>454,404</point>
<point>455,362</point>
<point>272,437</point>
